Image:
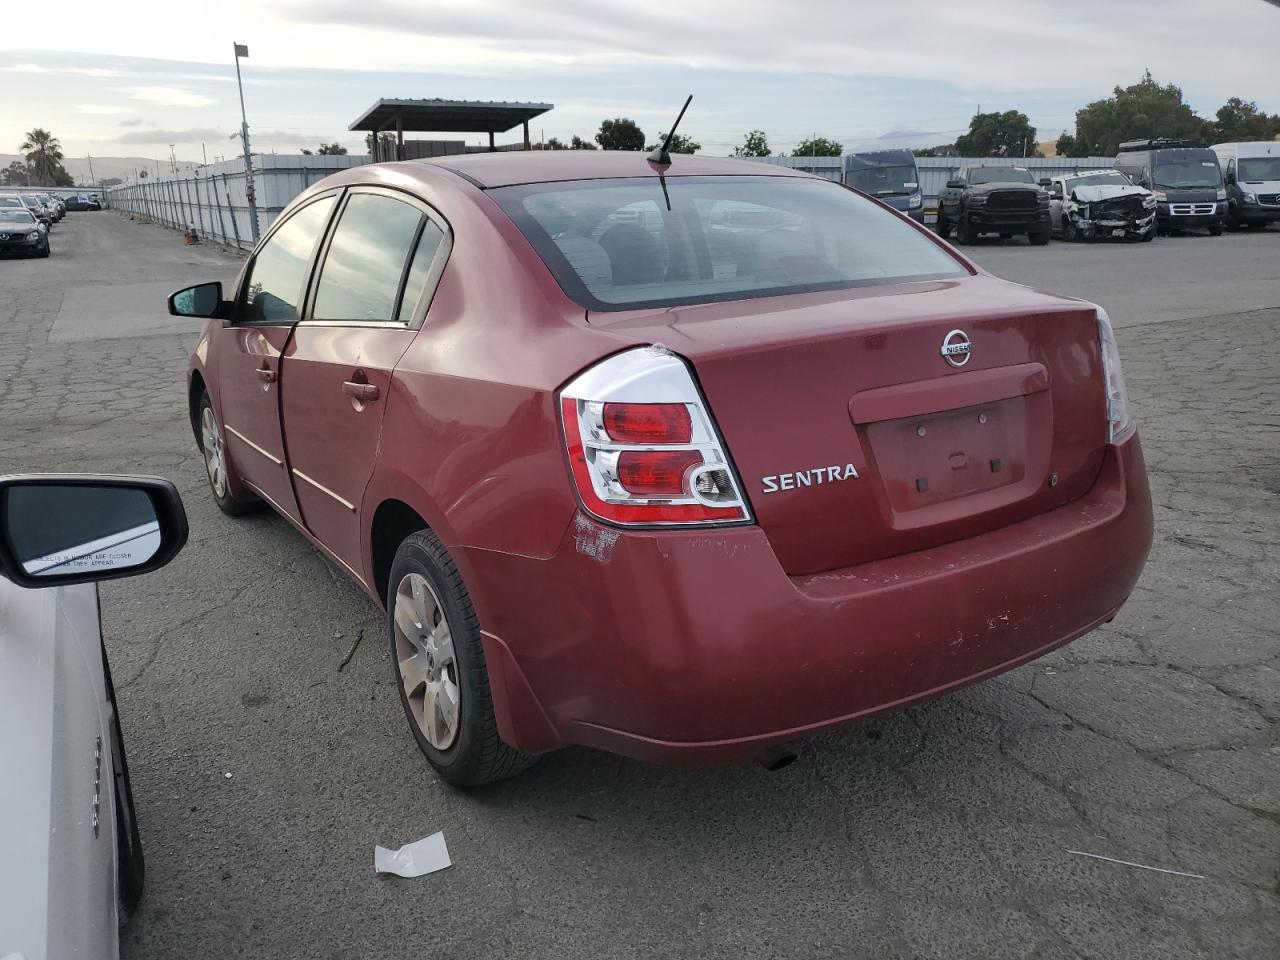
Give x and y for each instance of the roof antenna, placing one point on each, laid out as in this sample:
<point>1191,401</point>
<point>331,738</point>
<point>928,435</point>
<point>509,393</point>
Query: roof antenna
<point>659,153</point>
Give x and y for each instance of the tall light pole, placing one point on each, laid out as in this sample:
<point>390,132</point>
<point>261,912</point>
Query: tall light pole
<point>242,50</point>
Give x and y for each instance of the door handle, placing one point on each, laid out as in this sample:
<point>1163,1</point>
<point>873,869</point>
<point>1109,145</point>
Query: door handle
<point>364,392</point>
<point>266,376</point>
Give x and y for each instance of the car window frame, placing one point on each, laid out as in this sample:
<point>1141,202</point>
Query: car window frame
<point>434,273</point>
<point>238,318</point>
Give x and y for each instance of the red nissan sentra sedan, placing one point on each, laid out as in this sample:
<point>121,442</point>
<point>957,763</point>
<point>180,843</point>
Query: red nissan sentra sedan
<point>680,461</point>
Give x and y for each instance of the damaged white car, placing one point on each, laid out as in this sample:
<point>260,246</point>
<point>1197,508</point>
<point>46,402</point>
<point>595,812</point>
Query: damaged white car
<point>1101,204</point>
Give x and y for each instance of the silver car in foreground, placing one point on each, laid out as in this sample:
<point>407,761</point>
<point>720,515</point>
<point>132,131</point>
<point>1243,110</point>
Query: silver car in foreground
<point>71,865</point>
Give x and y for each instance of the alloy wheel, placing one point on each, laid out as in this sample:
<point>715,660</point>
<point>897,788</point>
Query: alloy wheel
<point>426,661</point>
<point>215,459</point>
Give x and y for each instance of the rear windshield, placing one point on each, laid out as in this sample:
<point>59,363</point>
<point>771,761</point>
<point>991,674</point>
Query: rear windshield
<point>625,244</point>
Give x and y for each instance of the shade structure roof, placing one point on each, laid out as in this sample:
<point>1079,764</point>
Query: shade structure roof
<point>463,116</point>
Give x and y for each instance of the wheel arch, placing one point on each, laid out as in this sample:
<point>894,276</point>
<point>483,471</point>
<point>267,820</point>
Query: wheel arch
<point>195,390</point>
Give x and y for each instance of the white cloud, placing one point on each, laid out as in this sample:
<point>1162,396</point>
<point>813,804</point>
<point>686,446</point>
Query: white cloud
<point>102,109</point>
<point>169,96</point>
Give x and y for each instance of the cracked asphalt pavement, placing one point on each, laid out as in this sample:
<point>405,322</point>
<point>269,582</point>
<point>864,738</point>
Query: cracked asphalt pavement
<point>942,831</point>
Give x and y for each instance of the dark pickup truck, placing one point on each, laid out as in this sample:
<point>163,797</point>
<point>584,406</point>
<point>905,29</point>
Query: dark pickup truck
<point>996,199</point>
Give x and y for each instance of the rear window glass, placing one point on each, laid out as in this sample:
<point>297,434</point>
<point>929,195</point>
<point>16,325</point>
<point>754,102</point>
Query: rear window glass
<point>627,244</point>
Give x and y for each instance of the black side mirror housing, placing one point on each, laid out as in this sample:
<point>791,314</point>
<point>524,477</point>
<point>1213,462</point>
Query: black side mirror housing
<point>203,300</point>
<point>1231,176</point>
<point>955,183</point>
<point>1045,182</point>
<point>61,529</point>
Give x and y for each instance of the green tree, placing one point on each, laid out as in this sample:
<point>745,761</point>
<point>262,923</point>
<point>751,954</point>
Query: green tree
<point>620,133</point>
<point>1008,134</point>
<point>14,175</point>
<point>679,144</point>
<point>577,143</point>
<point>551,143</point>
<point>818,147</point>
<point>1066,145</point>
<point>1144,109</point>
<point>754,144</point>
<point>332,150</point>
<point>1242,120</point>
<point>44,157</point>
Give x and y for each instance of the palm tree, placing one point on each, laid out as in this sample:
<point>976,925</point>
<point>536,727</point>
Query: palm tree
<point>44,156</point>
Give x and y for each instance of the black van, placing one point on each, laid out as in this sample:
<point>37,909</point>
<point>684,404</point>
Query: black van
<point>1184,176</point>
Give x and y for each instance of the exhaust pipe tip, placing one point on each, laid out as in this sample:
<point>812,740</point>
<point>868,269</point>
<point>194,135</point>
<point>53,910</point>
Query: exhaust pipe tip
<point>775,758</point>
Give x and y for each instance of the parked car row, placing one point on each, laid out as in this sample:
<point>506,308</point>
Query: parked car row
<point>27,215</point>
<point>1157,186</point>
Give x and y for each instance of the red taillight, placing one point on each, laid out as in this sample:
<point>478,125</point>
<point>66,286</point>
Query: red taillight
<point>642,446</point>
<point>656,473</point>
<point>648,422</point>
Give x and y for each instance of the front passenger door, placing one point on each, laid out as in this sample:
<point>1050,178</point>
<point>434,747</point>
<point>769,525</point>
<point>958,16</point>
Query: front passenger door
<point>374,279</point>
<point>249,360</point>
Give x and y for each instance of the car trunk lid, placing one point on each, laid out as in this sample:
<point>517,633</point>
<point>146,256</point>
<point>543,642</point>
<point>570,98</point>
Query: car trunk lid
<point>856,438</point>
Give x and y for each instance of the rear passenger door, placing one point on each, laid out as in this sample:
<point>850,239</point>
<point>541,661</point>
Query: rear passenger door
<point>374,280</point>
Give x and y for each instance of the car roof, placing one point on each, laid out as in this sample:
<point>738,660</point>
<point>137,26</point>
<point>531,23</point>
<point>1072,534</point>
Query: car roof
<point>511,167</point>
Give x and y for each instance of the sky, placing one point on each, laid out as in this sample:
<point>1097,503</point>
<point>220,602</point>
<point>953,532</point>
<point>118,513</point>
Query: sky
<point>904,73</point>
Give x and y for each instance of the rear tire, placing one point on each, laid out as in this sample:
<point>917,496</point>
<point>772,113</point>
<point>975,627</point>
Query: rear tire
<point>217,465</point>
<point>942,226</point>
<point>438,664</point>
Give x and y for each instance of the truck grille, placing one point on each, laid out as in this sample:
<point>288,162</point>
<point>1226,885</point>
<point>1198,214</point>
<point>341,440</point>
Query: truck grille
<point>1269,198</point>
<point>1192,209</point>
<point>1011,200</point>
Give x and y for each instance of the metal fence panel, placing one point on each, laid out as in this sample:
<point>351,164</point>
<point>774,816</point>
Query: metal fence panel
<point>212,200</point>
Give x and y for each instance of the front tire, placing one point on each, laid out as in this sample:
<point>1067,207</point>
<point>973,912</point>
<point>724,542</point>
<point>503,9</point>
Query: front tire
<point>964,232</point>
<point>1215,229</point>
<point>438,663</point>
<point>942,226</point>
<point>217,466</point>
<point>1039,238</point>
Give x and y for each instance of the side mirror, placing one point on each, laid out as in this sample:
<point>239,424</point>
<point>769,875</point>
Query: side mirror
<point>62,529</point>
<point>955,184</point>
<point>1231,176</point>
<point>202,300</point>
<point>1045,182</point>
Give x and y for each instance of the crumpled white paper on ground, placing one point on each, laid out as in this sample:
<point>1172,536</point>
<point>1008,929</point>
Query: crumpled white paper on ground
<point>413,859</point>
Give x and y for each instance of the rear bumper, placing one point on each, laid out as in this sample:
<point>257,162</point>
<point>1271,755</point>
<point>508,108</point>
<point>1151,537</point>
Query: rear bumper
<point>696,647</point>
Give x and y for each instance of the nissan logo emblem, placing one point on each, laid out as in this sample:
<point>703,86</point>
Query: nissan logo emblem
<point>956,348</point>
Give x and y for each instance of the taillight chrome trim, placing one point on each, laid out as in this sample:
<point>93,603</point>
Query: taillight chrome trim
<point>645,375</point>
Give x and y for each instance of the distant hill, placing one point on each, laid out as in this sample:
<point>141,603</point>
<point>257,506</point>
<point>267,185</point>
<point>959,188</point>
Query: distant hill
<point>103,167</point>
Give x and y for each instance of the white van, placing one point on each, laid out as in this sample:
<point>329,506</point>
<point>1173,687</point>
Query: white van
<point>1252,174</point>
